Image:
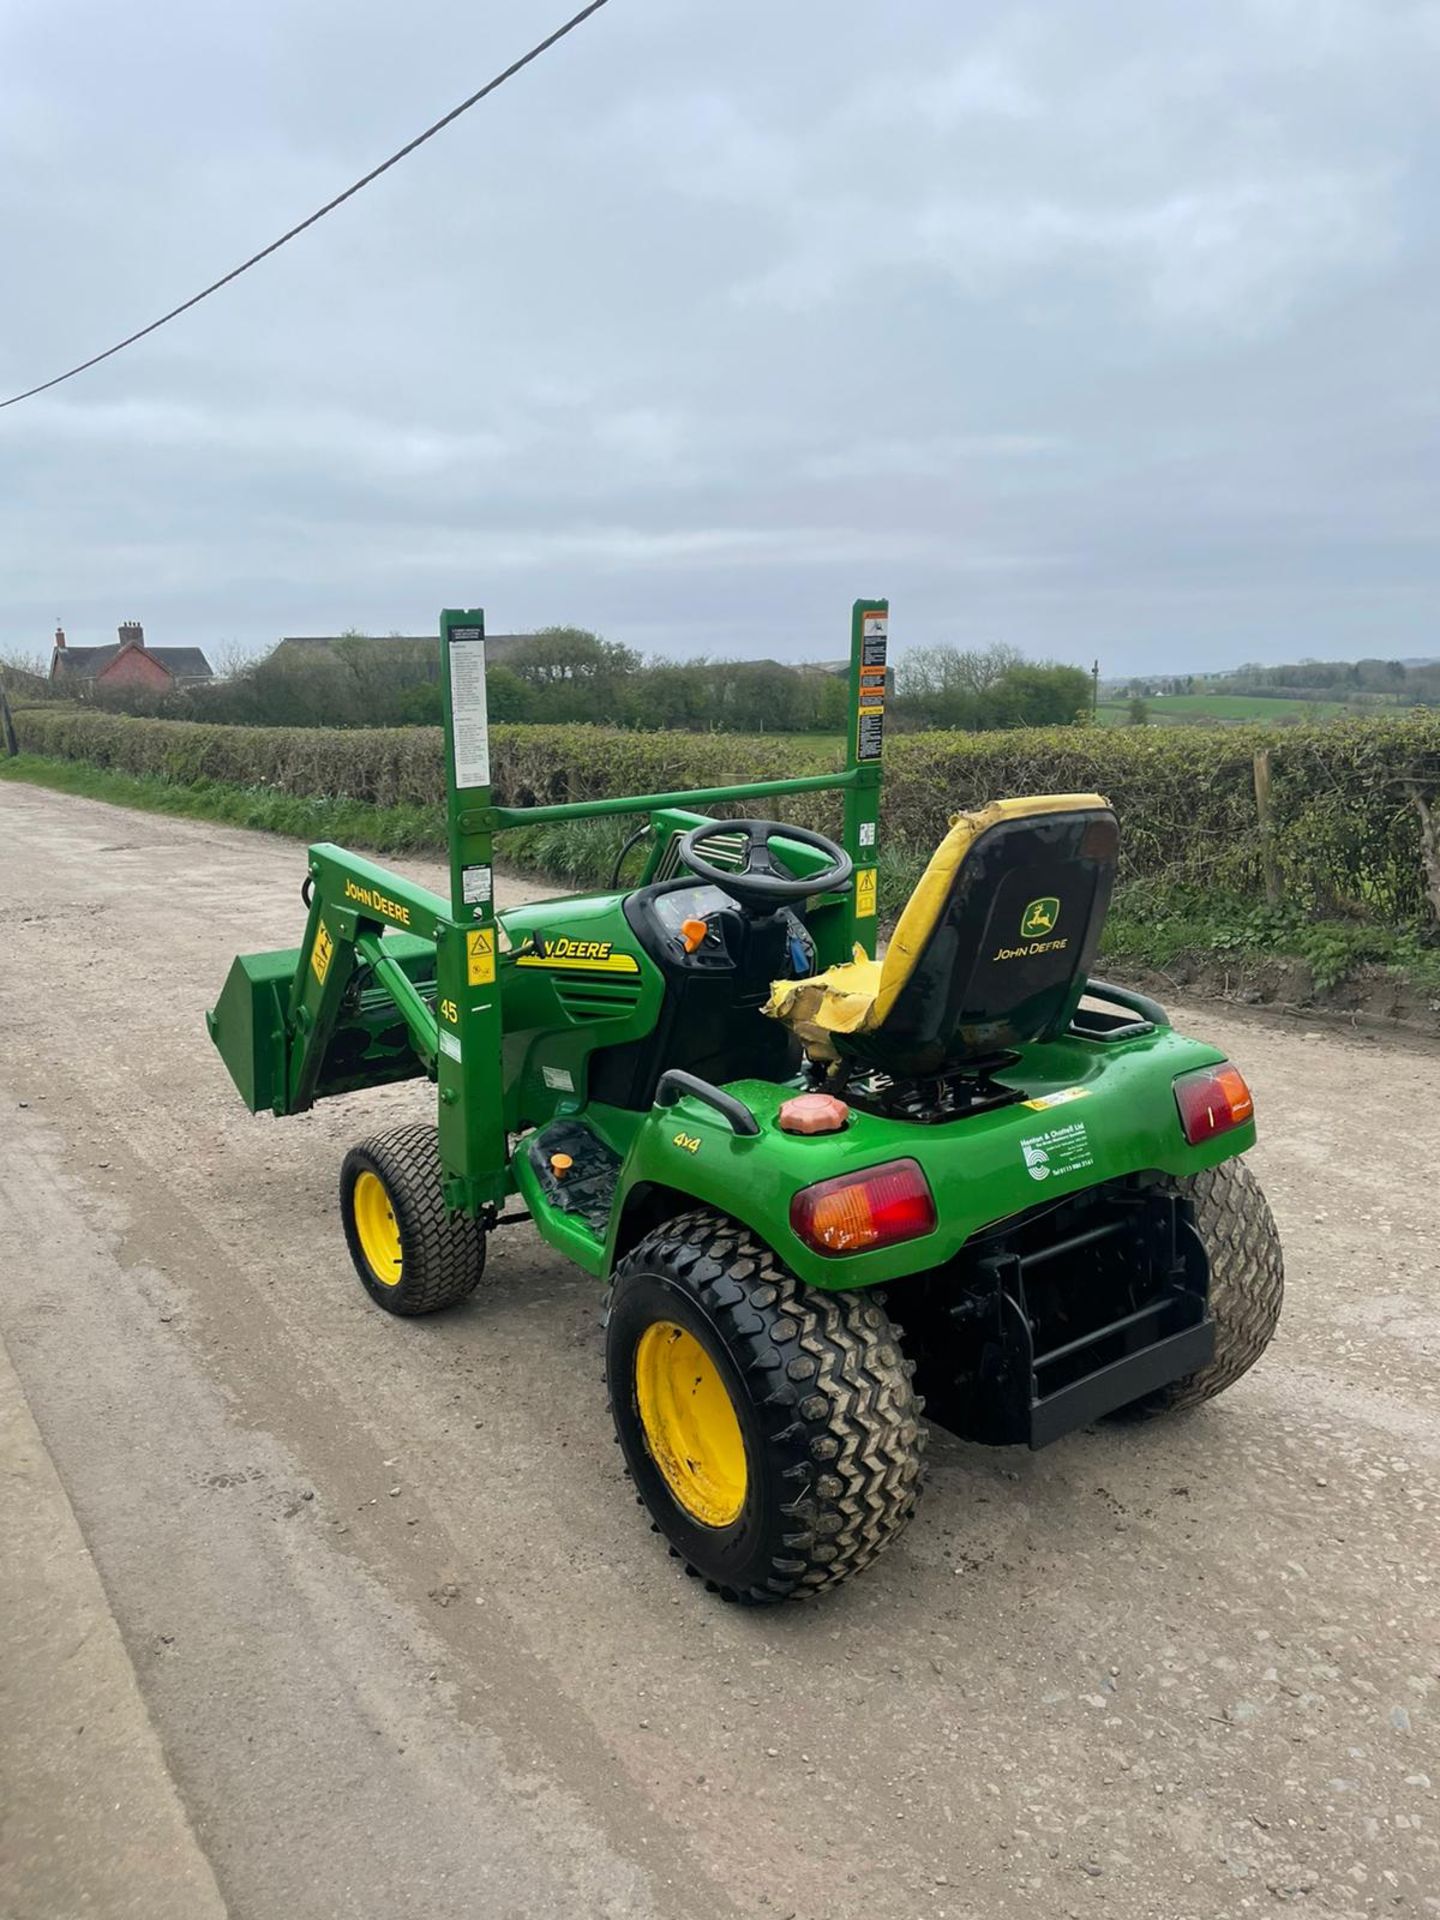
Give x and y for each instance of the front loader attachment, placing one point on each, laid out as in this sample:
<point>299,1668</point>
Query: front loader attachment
<point>368,1045</point>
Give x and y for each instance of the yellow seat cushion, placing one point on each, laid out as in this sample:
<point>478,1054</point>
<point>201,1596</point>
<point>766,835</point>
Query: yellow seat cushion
<point>856,996</point>
<point>836,1001</point>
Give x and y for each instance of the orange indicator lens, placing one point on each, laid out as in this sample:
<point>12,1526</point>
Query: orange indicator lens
<point>859,1211</point>
<point>1211,1101</point>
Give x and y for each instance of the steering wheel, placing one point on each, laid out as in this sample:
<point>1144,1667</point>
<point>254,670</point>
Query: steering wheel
<point>761,884</point>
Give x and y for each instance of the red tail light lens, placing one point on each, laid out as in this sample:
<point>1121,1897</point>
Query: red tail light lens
<point>1211,1101</point>
<point>859,1211</point>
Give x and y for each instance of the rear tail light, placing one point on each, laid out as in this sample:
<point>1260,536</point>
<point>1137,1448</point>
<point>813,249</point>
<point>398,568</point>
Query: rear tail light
<point>1211,1101</point>
<point>859,1211</point>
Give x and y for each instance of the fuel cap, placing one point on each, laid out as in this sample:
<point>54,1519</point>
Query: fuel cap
<point>813,1113</point>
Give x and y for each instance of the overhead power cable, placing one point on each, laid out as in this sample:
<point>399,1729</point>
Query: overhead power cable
<point>320,212</point>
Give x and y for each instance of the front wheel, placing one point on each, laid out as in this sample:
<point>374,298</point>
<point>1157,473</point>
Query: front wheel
<point>770,1428</point>
<point>413,1255</point>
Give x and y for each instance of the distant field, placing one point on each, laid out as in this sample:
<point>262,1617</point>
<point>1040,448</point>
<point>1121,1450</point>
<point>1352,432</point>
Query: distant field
<point>817,741</point>
<point>1202,709</point>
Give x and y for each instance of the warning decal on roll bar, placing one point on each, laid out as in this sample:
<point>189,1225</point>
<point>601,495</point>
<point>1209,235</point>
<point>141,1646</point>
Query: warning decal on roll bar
<point>469,718</point>
<point>874,634</point>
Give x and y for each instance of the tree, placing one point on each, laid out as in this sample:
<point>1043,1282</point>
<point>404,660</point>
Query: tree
<point>572,674</point>
<point>942,686</point>
<point>1035,695</point>
<point>1138,712</point>
<point>922,672</point>
<point>944,671</point>
<point>976,672</point>
<point>761,696</point>
<point>507,697</point>
<point>24,667</point>
<point>569,656</point>
<point>672,695</point>
<point>832,704</point>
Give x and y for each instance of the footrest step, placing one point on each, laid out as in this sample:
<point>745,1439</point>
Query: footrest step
<point>587,1186</point>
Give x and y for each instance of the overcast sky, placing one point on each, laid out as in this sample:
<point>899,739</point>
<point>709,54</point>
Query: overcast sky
<point>1094,328</point>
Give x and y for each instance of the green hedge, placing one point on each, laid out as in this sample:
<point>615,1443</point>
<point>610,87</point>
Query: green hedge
<point>387,766</point>
<point>392,766</point>
<point>1345,830</point>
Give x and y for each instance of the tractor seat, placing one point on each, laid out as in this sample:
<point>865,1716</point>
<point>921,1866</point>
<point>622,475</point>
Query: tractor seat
<point>993,950</point>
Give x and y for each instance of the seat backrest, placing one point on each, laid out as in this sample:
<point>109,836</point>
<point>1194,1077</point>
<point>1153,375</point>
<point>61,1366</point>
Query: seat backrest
<point>996,943</point>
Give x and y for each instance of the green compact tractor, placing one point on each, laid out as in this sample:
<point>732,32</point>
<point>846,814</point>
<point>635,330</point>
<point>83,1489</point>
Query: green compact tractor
<point>775,1148</point>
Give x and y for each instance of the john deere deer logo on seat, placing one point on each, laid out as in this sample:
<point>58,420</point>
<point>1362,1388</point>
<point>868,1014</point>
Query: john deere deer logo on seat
<point>1039,918</point>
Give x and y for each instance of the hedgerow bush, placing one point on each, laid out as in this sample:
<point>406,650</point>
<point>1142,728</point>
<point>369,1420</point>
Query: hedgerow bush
<point>390,766</point>
<point>1345,830</point>
<point>386,766</point>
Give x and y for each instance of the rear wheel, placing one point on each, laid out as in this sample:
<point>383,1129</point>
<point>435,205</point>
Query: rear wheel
<point>1247,1281</point>
<point>770,1428</point>
<point>413,1255</point>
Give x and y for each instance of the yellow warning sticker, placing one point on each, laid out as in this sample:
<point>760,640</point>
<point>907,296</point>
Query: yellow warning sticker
<point>865,894</point>
<point>1056,1099</point>
<point>480,957</point>
<point>320,953</point>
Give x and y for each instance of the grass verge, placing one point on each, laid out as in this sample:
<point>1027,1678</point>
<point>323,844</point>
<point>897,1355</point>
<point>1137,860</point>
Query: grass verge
<point>349,822</point>
<point>1151,926</point>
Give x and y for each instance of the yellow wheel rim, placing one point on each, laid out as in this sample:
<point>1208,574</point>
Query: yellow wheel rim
<point>690,1424</point>
<point>377,1228</point>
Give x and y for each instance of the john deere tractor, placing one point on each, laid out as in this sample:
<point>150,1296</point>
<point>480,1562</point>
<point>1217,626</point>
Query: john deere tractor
<point>773,1147</point>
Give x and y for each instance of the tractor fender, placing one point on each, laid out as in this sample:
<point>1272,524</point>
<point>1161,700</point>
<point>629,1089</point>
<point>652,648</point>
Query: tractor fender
<point>686,1156</point>
<point>647,1205</point>
<point>1094,1116</point>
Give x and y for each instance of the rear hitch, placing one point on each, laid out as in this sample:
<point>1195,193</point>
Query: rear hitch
<point>1058,1329</point>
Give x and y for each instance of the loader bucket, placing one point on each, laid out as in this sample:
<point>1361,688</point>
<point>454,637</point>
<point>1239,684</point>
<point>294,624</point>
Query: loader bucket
<point>369,1046</point>
<point>248,1026</point>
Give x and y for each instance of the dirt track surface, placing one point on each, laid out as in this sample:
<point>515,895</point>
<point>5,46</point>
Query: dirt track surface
<point>411,1649</point>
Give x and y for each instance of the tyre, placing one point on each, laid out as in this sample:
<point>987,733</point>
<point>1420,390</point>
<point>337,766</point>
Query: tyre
<point>770,1428</point>
<point>1247,1281</point>
<point>413,1255</point>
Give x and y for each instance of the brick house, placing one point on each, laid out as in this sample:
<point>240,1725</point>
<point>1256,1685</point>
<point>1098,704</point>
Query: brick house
<point>129,663</point>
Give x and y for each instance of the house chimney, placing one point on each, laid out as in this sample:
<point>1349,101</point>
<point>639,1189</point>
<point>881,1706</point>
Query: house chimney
<point>132,634</point>
<point>59,634</point>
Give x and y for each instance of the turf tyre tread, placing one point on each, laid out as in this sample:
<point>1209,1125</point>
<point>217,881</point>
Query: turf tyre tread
<point>831,1398</point>
<point>443,1253</point>
<point>1247,1281</point>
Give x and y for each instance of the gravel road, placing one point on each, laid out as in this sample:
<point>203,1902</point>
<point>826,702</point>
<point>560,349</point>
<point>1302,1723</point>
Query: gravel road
<point>410,1649</point>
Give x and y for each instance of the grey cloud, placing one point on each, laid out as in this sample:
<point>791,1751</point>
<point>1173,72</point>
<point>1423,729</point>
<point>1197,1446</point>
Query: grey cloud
<point>1094,329</point>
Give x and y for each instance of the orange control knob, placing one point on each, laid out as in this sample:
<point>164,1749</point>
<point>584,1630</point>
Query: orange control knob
<point>560,1164</point>
<point>692,932</point>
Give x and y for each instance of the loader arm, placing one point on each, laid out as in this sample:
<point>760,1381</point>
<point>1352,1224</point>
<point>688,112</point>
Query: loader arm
<point>383,985</point>
<point>353,904</point>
